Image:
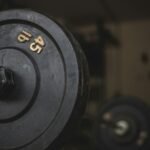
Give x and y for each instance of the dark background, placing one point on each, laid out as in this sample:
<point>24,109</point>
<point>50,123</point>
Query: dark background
<point>114,35</point>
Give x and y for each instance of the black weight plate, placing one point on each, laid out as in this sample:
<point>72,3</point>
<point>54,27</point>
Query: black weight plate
<point>131,109</point>
<point>48,85</point>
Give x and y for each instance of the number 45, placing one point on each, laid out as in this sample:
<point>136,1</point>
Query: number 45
<point>37,45</point>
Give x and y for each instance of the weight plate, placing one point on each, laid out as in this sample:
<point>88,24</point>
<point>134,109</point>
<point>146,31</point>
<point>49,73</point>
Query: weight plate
<point>50,80</point>
<point>124,124</point>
